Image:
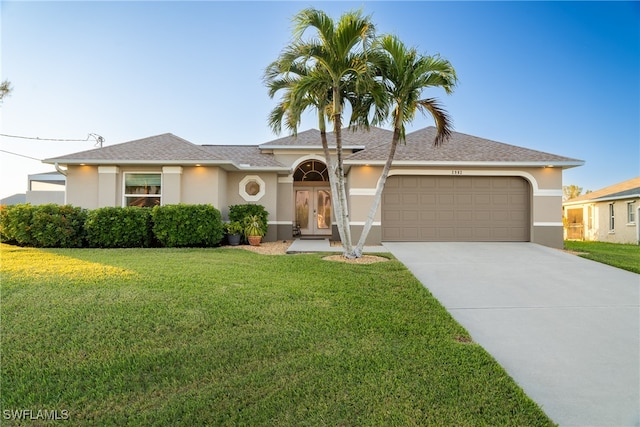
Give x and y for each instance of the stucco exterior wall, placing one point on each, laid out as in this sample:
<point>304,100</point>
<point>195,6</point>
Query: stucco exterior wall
<point>44,197</point>
<point>284,222</point>
<point>82,186</point>
<point>269,200</point>
<point>623,230</point>
<point>205,185</point>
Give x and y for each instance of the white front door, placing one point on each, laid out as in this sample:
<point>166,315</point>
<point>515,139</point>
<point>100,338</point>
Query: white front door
<point>313,210</point>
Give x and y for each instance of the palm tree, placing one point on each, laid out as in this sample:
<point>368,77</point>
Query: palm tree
<point>405,74</point>
<point>323,73</point>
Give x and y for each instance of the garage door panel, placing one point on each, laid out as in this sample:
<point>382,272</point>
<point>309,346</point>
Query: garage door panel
<point>445,199</point>
<point>463,199</point>
<point>499,199</point>
<point>427,199</point>
<point>443,208</point>
<point>426,217</point>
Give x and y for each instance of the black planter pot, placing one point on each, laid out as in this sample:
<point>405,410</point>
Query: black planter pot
<point>234,239</point>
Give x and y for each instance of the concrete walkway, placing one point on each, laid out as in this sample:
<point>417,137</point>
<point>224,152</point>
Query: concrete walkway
<point>565,328</point>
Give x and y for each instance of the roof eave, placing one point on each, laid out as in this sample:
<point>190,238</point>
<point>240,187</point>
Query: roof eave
<point>227,164</point>
<point>309,147</point>
<point>441,163</point>
<point>613,198</point>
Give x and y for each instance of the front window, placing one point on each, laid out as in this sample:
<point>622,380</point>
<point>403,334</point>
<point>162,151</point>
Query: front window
<point>612,221</point>
<point>311,170</point>
<point>631,212</point>
<point>142,189</point>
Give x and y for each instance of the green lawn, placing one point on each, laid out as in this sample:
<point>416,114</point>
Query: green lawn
<point>229,337</point>
<point>626,257</point>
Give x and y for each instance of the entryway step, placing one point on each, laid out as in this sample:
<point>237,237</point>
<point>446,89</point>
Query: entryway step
<point>316,245</point>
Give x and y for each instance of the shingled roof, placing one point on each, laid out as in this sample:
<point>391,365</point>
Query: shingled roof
<point>165,148</point>
<point>244,155</point>
<point>370,146</point>
<point>350,139</point>
<point>459,149</point>
<point>169,149</point>
<point>622,190</point>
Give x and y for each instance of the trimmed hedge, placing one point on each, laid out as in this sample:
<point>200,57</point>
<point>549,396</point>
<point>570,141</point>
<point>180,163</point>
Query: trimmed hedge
<point>116,227</point>
<point>187,225</point>
<point>240,212</point>
<point>111,227</point>
<point>43,226</point>
<point>15,224</point>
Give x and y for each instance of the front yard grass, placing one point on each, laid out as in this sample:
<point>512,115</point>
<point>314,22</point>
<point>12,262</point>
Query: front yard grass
<point>229,337</point>
<point>626,257</point>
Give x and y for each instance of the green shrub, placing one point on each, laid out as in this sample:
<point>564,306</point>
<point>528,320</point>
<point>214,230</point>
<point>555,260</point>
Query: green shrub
<point>240,212</point>
<point>118,227</point>
<point>15,224</point>
<point>187,225</point>
<point>55,226</point>
<point>47,226</point>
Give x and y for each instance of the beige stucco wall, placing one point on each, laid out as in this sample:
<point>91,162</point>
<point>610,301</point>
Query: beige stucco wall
<point>623,231</point>
<point>269,200</point>
<point>82,186</point>
<point>201,185</point>
<point>97,186</point>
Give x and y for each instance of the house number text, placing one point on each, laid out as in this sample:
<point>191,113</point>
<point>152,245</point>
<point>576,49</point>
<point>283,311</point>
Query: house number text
<point>456,172</point>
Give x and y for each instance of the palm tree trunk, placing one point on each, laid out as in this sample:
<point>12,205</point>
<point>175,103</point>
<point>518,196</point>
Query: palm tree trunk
<point>331,166</point>
<point>343,220</point>
<point>377,198</point>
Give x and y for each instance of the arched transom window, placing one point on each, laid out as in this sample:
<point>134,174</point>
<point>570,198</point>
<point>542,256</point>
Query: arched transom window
<point>311,170</point>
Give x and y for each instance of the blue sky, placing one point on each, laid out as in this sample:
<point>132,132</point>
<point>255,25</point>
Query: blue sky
<point>561,77</point>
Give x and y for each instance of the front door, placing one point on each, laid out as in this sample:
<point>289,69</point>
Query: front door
<point>313,211</point>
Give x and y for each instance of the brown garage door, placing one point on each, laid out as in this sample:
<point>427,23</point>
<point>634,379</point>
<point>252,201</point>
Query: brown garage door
<point>455,208</point>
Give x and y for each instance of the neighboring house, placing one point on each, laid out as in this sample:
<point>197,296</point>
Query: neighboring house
<point>469,189</point>
<point>606,215</point>
<point>47,187</point>
<point>42,188</point>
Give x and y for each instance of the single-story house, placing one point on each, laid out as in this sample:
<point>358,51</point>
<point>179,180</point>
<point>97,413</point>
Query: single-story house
<point>606,215</point>
<point>469,189</point>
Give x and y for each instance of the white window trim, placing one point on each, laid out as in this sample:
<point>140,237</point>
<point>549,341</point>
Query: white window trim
<point>124,185</point>
<point>612,218</point>
<point>242,190</point>
<point>631,208</point>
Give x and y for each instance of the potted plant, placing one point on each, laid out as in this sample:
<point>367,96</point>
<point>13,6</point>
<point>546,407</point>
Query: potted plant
<point>234,231</point>
<point>253,229</point>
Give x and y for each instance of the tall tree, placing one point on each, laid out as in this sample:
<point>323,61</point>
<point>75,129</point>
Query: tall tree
<point>323,72</point>
<point>405,73</point>
<point>5,89</point>
<point>571,191</point>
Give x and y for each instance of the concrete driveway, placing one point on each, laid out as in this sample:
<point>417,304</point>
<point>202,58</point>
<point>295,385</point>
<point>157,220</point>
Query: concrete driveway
<point>565,328</point>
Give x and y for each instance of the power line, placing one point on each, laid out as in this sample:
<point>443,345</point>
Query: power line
<point>21,155</point>
<point>99,140</point>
